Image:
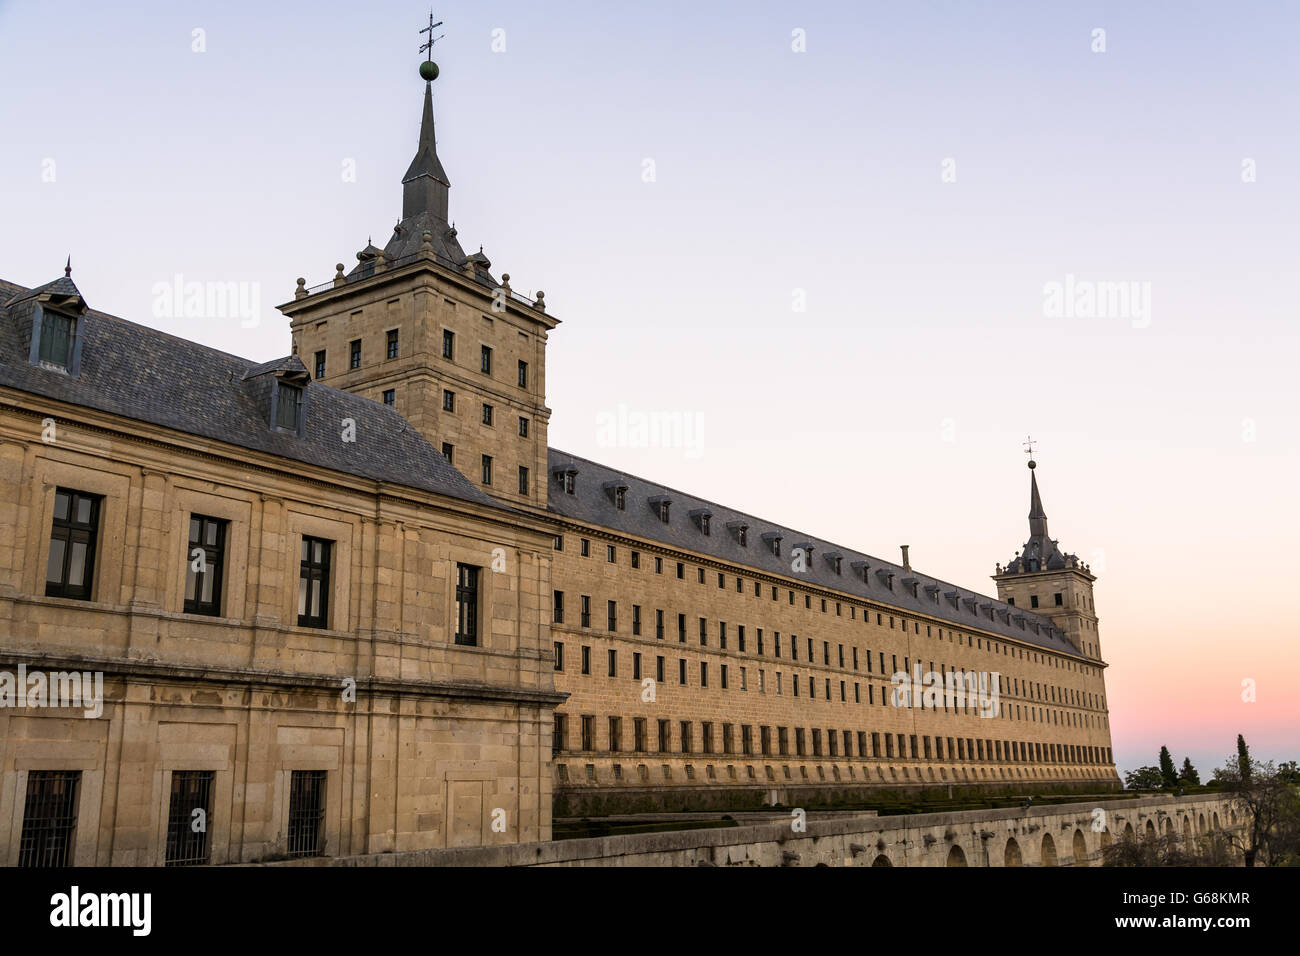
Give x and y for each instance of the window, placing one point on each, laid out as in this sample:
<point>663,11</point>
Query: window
<point>1033,600</point>
<point>557,734</point>
<point>522,378</point>
<point>620,499</point>
<point>58,336</point>
<point>681,671</point>
<point>487,469</point>
<point>613,662</point>
<point>523,427</point>
<point>636,665</point>
<point>448,344</point>
<point>558,544</point>
<point>588,732</point>
<point>288,406</point>
<point>448,400</point>
<point>306,813</point>
<point>585,547</point>
<point>354,354</point>
<point>612,615</point>
<point>636,559</point>
<point>659,624</point>
<point>187,845</point>
<point>559,653</point>
<point>392,344</point>
<point>49,818</point>
<point>447,449</point>
<point>615,734</point>
<point>205,558</point>
<point>390,397</point>
<point>558,611</point>
<point>313,583</point>
<point>586,610</point>
<point>485,360</point>
<point>1057,597</point>
<point>570,480</point>
<point>320,364</point>
<point>524,484</point>
<point>467,605</point>
<point>487,414</point>
<point>610,553</point>
<point>636,620</point>
<point>586,659</point>
<point>71,569</point>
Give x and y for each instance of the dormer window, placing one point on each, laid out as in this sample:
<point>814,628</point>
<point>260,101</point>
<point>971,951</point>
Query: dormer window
<point>704,523</point>
<point>659,505</point>
<point>288,406</point>
<point>620,499</point>
<point>58,336</point>
<point>741,531</point>
<point>701,518</point>
<point>570,482</point>
<point>773,542</point>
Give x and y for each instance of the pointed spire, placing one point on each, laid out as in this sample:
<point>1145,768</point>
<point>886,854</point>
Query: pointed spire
<point>1037,516</point>
<point>67,270</point>
<point>425,185</point>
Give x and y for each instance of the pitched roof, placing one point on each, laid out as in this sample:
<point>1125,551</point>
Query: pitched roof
<point>862,575</point>
<point>149,376</point>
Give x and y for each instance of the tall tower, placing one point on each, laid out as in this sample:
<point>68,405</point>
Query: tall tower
<point>1059,586</point>
<point>428,329</point>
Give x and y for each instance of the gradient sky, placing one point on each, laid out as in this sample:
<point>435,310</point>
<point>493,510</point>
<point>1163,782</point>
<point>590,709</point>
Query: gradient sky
<point>892,408</point>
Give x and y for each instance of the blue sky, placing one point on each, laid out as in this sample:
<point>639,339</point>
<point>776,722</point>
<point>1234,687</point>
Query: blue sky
<point>891,408</point>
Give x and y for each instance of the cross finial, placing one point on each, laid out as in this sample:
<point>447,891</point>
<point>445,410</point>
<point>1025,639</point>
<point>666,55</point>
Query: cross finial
<point>1029,446</point>
<point>427,47</point>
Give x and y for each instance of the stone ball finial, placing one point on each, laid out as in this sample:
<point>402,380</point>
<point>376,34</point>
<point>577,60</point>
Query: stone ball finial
<point>429,71</point>
<point>338,267</point>
<point>302,288</point>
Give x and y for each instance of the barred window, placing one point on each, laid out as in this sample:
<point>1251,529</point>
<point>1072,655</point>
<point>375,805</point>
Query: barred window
<point>49,818</point>
<point>306,813</point>
<point>187,817</point>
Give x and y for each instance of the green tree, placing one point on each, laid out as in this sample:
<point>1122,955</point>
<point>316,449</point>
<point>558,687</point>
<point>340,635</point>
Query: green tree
<point>1243,759</point>
<point>1269,806</point>
<point>1188,776</point>
<point>1168,775</point>
<point>1143,778</point>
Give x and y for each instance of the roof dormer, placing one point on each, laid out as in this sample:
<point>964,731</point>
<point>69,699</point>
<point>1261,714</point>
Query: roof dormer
<point>659,504</point>
<point>567,476</point>
<point>280,388</point>
<point>702,517</point>
<point>617,493</point>
<point>741,531</point>
<point>50,319</point>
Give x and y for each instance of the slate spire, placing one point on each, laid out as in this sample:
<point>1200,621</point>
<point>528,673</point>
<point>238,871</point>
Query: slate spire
<point>1037,517</point>
<point>425,185</point>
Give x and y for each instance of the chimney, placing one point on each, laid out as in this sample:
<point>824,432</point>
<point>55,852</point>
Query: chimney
<point>907,566</point>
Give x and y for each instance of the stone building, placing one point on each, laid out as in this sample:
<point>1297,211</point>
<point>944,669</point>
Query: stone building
<point>350,601</point>
<point>705,651</point>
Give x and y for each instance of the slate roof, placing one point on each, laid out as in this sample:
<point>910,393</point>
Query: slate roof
<point>149,376</point>
<point>593,503</point>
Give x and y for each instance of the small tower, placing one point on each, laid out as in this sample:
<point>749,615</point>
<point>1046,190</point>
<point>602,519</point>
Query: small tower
<point>1042,579</point>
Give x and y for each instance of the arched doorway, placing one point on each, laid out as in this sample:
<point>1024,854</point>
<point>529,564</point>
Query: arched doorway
<point>1080,849</point>
<point>1011,855</point>
<point>881,860</point>
<point>1049,850</point>
<point>956,856</point>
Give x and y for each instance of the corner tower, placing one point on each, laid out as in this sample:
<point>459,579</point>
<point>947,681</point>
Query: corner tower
<point>423,327</point>
<point>1057,585</point>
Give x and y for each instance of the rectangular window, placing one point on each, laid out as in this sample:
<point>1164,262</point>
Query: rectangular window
<point>586,659</point>
<point>636,620</point>
<point>49,818</point>
<point>467,605</point>
<point>522,378</point>
<point>354,354</point>
<point>314,583</point>
<point>392,344</point>
<point>659,669</point>
<point>559,656</point>
<point>613,662</point>
<point>448,344</point>
<point>524,485</point>
<point>390,397</point>
<point>659,624</point>
<point>485,360</point>
<point>487,414</point>
<point>638,734</point>
<point>612,608</point>
<point>306,813</point>
<point>681,671</point>
<point>586,611</point>
<point>523,427</point>
<point>588,732</point>
<point>558,612</point>
<point>585,548</point>
<point>320,364</point>
<point>558,734</point>
<point>487,469</point>
<point>615,734</point>
<point>191,791</point>
<point>73,533</point>
<point>288,405</point>
<point>58,334</point>
<point>447,450</point>
<point>611,554</point>
<point>636,665</point>
<point>448,400</point>
<point>205,558</point>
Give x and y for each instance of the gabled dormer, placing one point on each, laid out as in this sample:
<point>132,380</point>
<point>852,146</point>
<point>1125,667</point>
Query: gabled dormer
<point>702,518</point>
<point>280,390</point>
<point>741,531</point>
<point>660,504</point>
<point>617,493</point>
<point>51,321</point>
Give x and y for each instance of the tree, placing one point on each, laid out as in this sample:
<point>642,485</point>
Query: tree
<point>1143,778</point>
<point>1168,775</point>
<point>1188,776</point>
<point>1270,806</point>
<point>1243,758</point>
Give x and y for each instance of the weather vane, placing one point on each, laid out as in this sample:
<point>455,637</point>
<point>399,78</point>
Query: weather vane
<point>1029,450</point>
<point>429,69</point>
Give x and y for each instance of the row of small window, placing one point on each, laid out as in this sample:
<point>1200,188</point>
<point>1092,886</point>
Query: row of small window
<point>392,349</point>
<point>487,415</point>
<point>870,745</point>
<point>1044,691</point>
<point>487,465</point>
<point>980,643</point>
<point>74,532</point>
<point>50,817</point>
<point>1033,600</point>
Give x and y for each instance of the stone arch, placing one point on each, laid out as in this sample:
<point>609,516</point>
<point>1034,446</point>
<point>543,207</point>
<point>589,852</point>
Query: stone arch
<point>1011,855</point>
<point>956,856</point>
<point>1187,827</point>
<point>1151,829</point>
<point>1080,848</point>
<point>1106,838</point>
<point>1049,850</point>
<point>1200,823</point>
<point>881,860</point>
<point>1169,827</point>
<point>1217,825</point>
<point>1128,832</point>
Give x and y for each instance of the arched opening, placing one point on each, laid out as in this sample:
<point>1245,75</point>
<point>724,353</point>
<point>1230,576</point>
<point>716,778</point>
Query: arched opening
<point>1187,829</point>
<point>1049,850</point>
<point>881,860</point>
<point>1011,855</point>
<point>1200,823</point>
<point>1217,826</point>
<point>1128,832</point>
<point>1169,827</point>
<point>1105,837</point>
<point>1151,829</point>
<point>1080,848</point>
<point>956,856</point>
